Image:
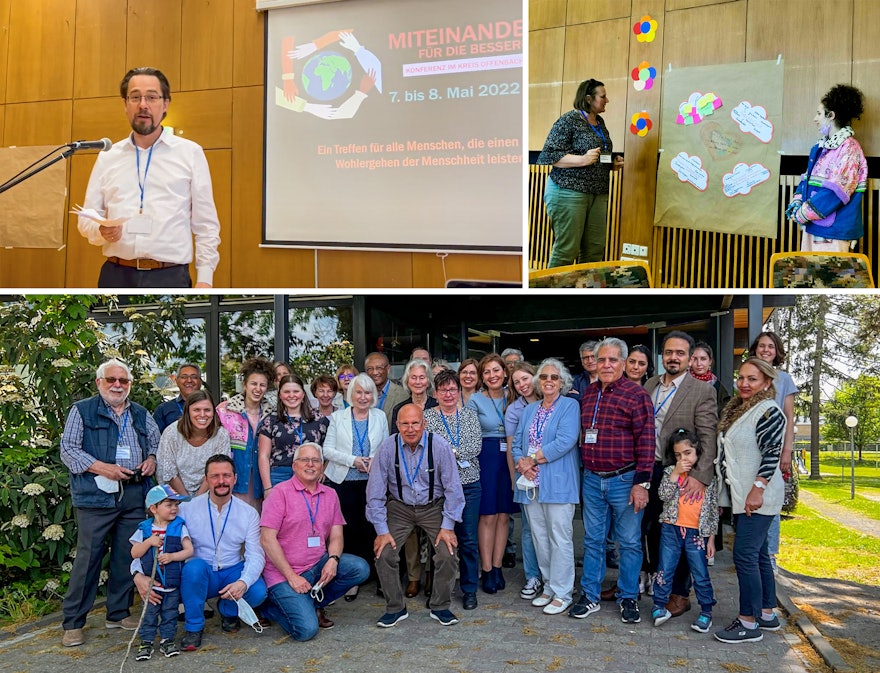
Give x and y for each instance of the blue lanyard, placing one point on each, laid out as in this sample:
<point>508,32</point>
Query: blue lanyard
<point>597,129</point>
<point>312,516</point>
<point>596,409</point>
<point>122,429</point>
<point>384,394</point>
<point>361,438</point>
<point>455,441</point>
<point>657,397</point>
<point>222,530</point>
<point>411,478</point>
<point>297,428</point>
<point>142,184</point>
<point>500,415</point>
<point>541,421</point>
<point>180,406</point>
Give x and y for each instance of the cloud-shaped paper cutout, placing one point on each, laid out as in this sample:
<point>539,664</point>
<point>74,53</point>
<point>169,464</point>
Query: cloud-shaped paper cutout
<point>645,29</point>
<point>690,169</point>
<point>743,178</point>
<point>643,76</point>
<point>697,107</point>
<point>640,124</point>
<point>753,119</point>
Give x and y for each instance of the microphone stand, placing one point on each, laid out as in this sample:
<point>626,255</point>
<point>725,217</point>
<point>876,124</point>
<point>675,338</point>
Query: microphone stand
<point>27,172</point>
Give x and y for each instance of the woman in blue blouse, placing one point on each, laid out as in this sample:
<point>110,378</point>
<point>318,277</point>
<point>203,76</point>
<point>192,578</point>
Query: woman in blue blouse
<point>496,478</point>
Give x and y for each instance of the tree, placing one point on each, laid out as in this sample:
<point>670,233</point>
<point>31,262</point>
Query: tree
<point>859,398</point>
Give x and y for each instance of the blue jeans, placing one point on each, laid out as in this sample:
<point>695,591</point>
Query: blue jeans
<point>199,583</point>
<point>161,618</point>
<point>279,474</point>
<point>600,495</point>
<point>773,536</point>
<point>673,541</point>
<point>295,612</point>
<point>466,532</point>
<point>757,586</point>
<point>530,556</point>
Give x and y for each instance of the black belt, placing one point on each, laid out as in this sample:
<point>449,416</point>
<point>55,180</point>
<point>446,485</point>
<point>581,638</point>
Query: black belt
<point>622,470</point>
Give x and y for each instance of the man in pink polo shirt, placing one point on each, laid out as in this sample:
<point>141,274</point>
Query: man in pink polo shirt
<point>301,533</point>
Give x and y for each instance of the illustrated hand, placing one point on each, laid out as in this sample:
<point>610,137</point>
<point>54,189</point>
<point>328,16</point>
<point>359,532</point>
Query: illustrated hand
<point>367,81</point>
<point>448,538</point>
<point>300,584</point>
<point>303,50</point>
<point>381,542</point>
<point>349,41</point>
<point>291,91</point>
<point>322,110</point>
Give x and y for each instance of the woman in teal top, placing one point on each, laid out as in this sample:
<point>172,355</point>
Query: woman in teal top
<point>496,476</point>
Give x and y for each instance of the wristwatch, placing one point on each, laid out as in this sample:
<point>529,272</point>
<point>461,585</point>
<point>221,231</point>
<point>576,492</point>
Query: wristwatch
<point>334,556</point>
<point>645,485</point>
<point>760,484</point>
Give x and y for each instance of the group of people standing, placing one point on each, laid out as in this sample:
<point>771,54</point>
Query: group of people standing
<point>291,503</point>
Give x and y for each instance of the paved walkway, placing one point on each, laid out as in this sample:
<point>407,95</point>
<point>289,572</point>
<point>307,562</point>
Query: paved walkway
<point>505,634</point>
<point>840,514</point>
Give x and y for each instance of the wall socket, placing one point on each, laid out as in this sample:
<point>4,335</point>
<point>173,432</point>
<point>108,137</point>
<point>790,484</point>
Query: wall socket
<point>633,249</point>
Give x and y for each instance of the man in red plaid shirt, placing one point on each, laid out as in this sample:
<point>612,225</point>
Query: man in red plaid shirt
<point>617,453</point>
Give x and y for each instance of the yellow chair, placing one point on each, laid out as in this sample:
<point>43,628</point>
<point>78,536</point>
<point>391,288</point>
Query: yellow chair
<point>618,273</point>
<point>820,270</point>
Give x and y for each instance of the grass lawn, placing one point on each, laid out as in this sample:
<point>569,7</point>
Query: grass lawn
<point>836,488</point>
<point>818,547</point>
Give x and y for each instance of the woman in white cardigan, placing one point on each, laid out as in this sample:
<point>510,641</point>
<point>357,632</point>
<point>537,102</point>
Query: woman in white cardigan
<point>353,437</point>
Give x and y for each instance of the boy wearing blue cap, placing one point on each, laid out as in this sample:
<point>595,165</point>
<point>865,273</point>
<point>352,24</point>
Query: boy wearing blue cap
<point>163,538</point>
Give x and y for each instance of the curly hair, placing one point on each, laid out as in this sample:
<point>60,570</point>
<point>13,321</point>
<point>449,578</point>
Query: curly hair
<point>258,365</point>
<point>845,101</point>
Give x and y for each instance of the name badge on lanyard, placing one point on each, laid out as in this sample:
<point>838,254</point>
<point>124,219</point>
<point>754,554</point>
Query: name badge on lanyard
<point>139,224</point>
<point>591,436</point>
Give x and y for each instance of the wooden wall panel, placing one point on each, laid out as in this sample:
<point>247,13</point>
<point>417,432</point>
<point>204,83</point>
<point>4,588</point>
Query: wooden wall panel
<point>254,266</point>
<point>99,118</point>
<point>84,259</point>
<point>428,268</point>
<point>600,50</point>
<point>346,268</point>
<point>46,123</point>
<point>546,14</point>
<point>205,117</point>
<point>153,38</point>
<point>5,12</point>
<point>685,43</point>
<point>220,164</point>
<point>673,5</point>
<point>866,74</point>
<point>40,268</point>
<point>41,41</point>
<point>247,44</point>
<point>99,57</point>
<point>205,56</point>
<point>546,52</point>
<point>588,11</point>
<point>817,49</point>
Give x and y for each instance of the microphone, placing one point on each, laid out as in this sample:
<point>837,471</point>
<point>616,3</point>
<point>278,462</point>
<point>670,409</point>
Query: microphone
<point>103,144</point>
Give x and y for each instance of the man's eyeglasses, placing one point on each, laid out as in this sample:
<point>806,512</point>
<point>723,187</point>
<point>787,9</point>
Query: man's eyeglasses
<point>186,377</point>
<point>313,461</point>
<point>113,379</point>
<point>151,98</point>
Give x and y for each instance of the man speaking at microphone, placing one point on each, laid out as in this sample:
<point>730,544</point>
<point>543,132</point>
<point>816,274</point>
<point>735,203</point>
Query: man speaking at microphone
<point>154,189</point>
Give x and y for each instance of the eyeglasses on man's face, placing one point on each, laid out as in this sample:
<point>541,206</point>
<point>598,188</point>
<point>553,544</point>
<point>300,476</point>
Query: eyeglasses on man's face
<point>312,461</point>
<point>113,379</point>
<point>151,98</point>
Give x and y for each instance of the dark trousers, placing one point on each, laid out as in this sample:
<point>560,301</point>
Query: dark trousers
<point>402,520</point>
<point>161,618</point>
<point>116,275</point>
<point>651,529</point>
<point>359,533</point>
<point>95,526</point>
<point>466,532</point>
<point>757,586</point>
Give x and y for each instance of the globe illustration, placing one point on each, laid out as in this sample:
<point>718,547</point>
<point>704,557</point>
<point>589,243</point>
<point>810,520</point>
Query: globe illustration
<point>327,75</point>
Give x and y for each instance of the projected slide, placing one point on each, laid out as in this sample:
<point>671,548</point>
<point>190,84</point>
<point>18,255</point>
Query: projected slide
<point>395,124</point>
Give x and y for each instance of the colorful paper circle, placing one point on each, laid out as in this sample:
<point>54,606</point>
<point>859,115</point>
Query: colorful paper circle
<point>645,29</point>
<point>640,124</point>
<point>643,76</point>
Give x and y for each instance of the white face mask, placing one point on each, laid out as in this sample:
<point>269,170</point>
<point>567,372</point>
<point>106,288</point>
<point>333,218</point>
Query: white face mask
<point>248,616</point>
<point>527,485</point>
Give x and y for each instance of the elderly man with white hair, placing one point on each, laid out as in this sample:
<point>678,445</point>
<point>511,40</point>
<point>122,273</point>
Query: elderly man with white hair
<point>109,446</point>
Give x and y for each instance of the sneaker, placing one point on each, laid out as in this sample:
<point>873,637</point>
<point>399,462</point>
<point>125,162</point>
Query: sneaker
<point>772,624</point>
<point>72,637</point>
<point>556,606</point>
<point>230,624</point>
<point>702,623</point>
<point>127,624</point>
<point>145,651</point>
<point>542,600</point>
<point>445,617</point>
<point>737,633</point>
<point>583,608</point>
<point>168,648</point>
<point>390,619</point>
<point>660,615</point>
<point>629,611</point>
<point>191,641</point>
<point>532,588</point>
